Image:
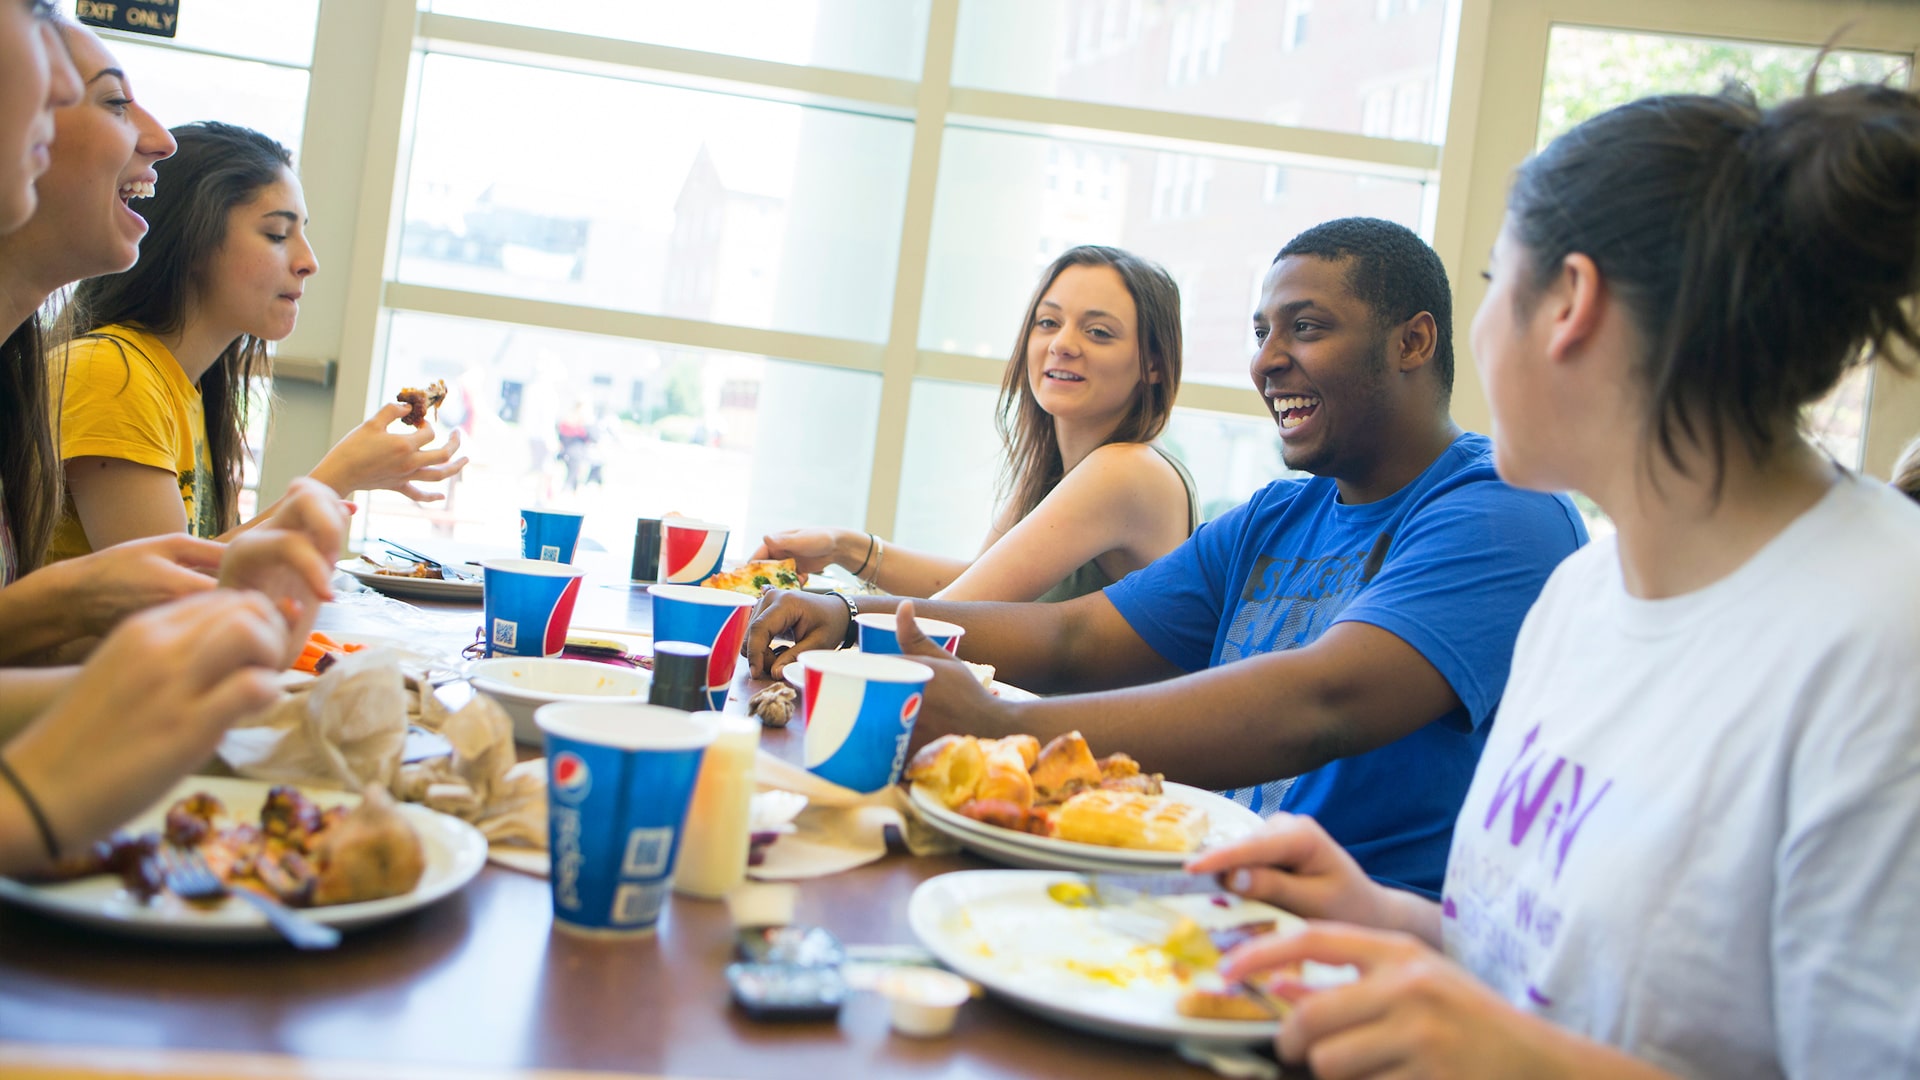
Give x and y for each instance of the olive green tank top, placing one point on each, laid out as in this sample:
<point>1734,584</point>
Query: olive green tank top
<point>1089,577</point>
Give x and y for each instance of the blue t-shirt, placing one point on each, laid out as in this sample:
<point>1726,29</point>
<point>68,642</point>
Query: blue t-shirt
<point>1449,564</point>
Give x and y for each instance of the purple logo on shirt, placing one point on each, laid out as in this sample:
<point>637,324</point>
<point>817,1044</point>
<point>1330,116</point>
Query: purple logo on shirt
<point>1567,815</point>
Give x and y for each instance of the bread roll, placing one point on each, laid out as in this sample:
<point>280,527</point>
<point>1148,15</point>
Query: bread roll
<point>1128,820</point>
<point>1005,778</point>
<point>1026,747</point>
<point>950,767</point>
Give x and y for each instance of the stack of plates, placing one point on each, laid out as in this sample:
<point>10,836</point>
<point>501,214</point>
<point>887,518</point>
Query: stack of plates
<point>1227,821</point>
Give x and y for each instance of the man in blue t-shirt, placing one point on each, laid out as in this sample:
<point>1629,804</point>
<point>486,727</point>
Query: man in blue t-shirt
<point>1341,641</point>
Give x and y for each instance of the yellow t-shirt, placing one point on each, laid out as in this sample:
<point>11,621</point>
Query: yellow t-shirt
<point>127,398</point>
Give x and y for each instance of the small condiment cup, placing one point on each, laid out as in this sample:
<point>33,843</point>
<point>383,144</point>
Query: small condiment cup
<point>922,1003</point>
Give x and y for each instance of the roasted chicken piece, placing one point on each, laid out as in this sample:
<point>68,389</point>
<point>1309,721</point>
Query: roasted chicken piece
<point>419,401</point>
<point>288,815</point>
<point>1009,815</point>
<point>191,819</point>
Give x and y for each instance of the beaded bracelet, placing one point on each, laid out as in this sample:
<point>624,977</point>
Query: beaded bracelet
<point>39,816</point>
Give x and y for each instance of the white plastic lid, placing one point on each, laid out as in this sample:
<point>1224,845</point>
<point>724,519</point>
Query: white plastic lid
<point>873,667</point>
<point>627,727</point>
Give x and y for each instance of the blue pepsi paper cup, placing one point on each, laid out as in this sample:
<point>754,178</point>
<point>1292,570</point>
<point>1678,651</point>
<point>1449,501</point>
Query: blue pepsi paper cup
<point>877,633</point>
<point>619,778</point>
<point>716,618</point>
<point>527,605</point>
<point>691,550</point>
<point>549,535</point>
<point>860,714</point>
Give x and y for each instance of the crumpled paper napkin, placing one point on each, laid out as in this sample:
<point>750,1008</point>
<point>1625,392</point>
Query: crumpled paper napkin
<point>348,728</point>
<point>840,828</point>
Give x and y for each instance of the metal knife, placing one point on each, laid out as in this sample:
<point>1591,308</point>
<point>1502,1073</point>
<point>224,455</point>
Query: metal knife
<point>1112,890</point>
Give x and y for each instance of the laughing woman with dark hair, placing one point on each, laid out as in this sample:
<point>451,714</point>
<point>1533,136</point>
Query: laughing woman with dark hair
<point>1088,497</point>
<point>153,423</point>
<point>1692,846</point>
<point>165,683</point>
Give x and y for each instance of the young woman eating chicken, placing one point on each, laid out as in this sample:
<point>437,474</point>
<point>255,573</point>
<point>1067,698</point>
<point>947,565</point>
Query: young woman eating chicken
<point>153,422</point>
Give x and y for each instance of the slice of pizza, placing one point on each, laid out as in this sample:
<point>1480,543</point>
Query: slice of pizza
<point>755,578</point>
<point>419,401</point>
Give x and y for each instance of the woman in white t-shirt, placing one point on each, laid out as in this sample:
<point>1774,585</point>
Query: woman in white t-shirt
<point>1692,846</point>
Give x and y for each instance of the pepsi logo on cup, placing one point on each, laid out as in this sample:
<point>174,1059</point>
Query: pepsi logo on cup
<point>571,778</point>
<point>860,711</point>
<point>693,550</point>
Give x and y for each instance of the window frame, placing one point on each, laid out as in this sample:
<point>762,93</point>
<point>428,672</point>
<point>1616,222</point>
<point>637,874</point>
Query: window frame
<point>1485,109</point>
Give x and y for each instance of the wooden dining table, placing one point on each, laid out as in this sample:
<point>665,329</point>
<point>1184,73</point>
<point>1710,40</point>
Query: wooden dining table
<point>482,984</point>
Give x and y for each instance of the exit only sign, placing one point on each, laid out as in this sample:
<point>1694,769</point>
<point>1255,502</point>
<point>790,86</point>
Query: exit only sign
<point>157,17</point>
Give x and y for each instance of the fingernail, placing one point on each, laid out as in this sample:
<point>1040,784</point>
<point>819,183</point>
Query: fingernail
<point>1240,881</point>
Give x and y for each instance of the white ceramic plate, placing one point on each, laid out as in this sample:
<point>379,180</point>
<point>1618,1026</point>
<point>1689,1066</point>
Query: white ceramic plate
<point>524,683</point>
<point>999,689</point>
<point>1071,965</point>
<point>455,852</point>
<point>414,588</point>
<point>1226,821</point>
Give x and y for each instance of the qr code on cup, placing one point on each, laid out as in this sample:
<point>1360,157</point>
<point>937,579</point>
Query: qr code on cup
<point>647,853</point>
<point>506,633</point>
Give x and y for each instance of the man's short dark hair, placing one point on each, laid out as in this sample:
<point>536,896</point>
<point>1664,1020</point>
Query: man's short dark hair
<point>1393,272</point>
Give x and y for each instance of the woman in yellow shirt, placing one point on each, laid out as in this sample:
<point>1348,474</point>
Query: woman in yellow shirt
<point>153,422</point>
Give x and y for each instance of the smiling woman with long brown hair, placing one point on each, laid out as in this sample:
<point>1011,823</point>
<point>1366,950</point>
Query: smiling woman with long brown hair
<point>153,424</point>
<point>1087,496</point>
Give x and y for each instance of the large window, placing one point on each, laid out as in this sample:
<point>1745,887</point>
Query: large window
<point>688,224</point>
<point>770,255</point>
<point>641,197</point>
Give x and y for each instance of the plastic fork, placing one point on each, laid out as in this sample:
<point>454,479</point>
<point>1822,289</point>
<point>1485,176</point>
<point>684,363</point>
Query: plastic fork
<point>189,878</point>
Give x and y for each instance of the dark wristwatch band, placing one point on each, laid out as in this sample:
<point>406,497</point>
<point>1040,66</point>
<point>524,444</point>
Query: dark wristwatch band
<point>853,628</point>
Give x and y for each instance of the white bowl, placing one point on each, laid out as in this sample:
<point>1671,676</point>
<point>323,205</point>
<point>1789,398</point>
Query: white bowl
<point>524,683</point>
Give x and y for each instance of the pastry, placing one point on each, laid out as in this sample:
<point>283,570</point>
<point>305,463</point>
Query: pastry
<point>1129,820</point>
<point>1065,764</point>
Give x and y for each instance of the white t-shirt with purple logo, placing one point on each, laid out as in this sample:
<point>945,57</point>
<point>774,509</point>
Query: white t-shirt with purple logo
<point>1695,831</point>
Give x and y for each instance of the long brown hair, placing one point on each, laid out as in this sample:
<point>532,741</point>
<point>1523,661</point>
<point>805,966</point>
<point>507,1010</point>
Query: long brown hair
<point>29,453</point>
<point>1033,466</point>
<point>218,167</point>
<point>1763,253</point>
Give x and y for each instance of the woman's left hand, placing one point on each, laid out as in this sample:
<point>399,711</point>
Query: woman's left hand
<point>372,457</point>
<point>1411,1013</point>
